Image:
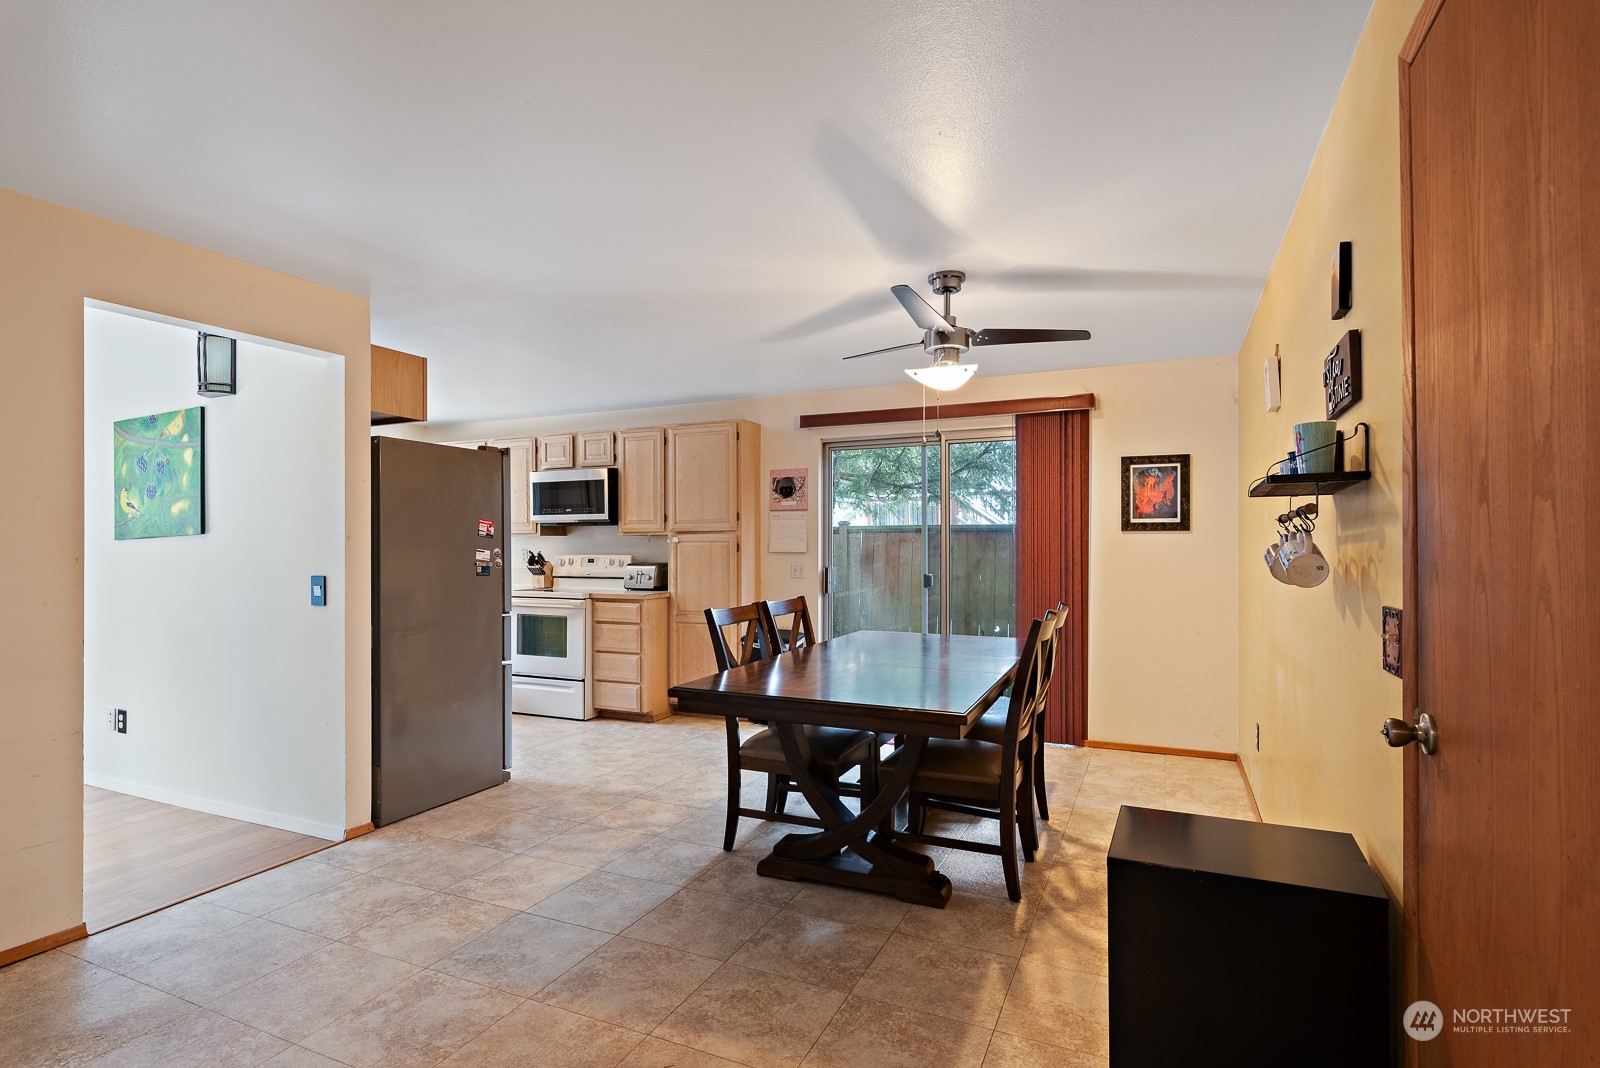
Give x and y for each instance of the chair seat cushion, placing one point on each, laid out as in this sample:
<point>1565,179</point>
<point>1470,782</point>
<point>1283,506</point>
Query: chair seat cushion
<point>991,726</point>
<point>831,747</point>
<point>947,760</point>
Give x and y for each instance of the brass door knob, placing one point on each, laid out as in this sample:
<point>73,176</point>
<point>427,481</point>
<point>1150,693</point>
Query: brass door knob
<point>1397,732</point>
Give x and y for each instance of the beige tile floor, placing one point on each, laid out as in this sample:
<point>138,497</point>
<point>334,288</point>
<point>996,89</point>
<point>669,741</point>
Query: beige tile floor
<point>584,914</point>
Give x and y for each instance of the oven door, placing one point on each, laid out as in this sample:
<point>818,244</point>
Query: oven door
<point>549,638</point>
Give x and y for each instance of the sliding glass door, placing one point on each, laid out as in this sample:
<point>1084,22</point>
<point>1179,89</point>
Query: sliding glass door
<point>922,535</point>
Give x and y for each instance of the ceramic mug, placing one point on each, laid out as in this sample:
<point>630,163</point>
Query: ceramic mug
<point>1307,567</point>
<point>1275,564</point>
<point>1314,444</point>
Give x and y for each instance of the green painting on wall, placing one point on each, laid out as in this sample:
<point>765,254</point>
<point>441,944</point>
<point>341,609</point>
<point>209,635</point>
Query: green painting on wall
<point>158,475</point>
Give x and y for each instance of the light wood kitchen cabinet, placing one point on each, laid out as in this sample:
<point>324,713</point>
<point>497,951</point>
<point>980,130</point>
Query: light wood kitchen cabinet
<point>629,639</point>
<point>642,475</point>
<point>520,451</point>
<point>703,476</point>
<point>704,570</point>
<point>555,451</point>
<point>598,448</point>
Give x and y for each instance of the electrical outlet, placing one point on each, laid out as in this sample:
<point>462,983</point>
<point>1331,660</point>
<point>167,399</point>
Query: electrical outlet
<point>797,570</point>
<point>111,718</point>
<point>121,720</point>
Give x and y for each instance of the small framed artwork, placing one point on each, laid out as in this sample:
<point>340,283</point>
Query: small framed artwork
<point>158,475</point>
<point>1155,492</point>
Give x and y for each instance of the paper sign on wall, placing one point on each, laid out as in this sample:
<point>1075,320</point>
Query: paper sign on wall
<point>786,532</point>
<point>786,489</point>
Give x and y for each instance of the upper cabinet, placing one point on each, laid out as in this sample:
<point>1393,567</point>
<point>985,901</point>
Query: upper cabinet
<point>520,451</point>
<point>703,476</point>
<point>399,386</point>
<point>597,448</point>
<point>642,494</point>
<point>555,451</point>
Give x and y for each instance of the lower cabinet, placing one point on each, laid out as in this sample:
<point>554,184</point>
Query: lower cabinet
<point>629,640</point>
<point>705,572</point>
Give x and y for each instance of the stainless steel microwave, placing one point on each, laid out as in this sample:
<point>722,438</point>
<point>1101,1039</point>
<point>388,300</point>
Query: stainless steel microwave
<point>578,495</point>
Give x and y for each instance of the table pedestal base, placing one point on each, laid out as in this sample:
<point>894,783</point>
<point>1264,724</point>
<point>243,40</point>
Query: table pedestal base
<point>854,849</point>
<point>849,870</point>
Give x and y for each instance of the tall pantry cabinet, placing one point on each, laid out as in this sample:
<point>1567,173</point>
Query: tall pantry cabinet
<point>709,510</point>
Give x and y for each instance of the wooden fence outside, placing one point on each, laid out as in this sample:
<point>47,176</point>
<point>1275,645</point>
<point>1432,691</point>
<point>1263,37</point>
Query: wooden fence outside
<point>877,577</point>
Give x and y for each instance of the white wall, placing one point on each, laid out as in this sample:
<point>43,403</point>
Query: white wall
<point>233,682</point>
<point>1163,608</point>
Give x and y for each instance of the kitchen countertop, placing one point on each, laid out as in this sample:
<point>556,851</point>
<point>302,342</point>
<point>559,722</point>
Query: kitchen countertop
<point>573,595</point>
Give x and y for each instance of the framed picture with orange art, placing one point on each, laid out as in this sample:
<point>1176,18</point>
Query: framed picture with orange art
<point>1155,492</point>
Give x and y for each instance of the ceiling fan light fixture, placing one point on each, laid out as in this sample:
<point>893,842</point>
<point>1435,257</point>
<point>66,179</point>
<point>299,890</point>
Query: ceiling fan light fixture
<point>943,377</point>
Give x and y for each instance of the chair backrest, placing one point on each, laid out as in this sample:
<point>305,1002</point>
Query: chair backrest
<point>799,632</point>
<point>1048,653</point>
<point>1028,684</point>
<point>751,641</point>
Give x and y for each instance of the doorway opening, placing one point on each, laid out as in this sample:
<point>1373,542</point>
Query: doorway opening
<point>922,534</point>
<point>214,724</point>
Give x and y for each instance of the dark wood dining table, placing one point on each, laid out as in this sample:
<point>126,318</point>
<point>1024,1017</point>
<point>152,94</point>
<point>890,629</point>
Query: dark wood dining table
<point>917,686</point>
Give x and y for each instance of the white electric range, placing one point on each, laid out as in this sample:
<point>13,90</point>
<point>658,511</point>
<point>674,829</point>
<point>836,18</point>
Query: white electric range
<point>551,663</point>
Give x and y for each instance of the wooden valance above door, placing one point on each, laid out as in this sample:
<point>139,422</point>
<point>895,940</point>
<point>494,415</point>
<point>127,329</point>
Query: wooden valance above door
<point>1081,402</point>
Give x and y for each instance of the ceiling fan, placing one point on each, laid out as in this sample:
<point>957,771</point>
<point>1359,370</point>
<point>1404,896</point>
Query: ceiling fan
<point>945,341</point>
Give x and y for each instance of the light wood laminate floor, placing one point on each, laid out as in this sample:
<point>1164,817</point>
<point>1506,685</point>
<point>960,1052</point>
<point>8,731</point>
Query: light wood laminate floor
<point>140,856</point>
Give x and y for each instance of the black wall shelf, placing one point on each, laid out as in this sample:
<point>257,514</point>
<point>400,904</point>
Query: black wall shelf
<point>1307,485</point>
<point>1316,483</point>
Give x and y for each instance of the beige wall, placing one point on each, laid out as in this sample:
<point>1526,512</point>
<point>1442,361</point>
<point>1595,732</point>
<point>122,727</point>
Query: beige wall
<point>1163,619</point>
<point>1309,660</point>
<point>51,260</point>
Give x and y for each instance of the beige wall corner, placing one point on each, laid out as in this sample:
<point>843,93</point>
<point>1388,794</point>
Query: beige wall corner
<point>51,261</point>
<point>1309,660</point>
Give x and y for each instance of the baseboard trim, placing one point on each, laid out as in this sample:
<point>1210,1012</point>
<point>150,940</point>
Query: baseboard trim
<point>42,945</point>
<point>1133,747</point>
<point>357,832</point>
<point>1249,791</point>
<point>331,832</point>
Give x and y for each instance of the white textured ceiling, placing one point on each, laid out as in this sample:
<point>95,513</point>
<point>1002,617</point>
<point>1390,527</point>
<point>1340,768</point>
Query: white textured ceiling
<point>583,205</point>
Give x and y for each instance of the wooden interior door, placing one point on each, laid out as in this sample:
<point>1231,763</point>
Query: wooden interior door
<point>1500,127</point>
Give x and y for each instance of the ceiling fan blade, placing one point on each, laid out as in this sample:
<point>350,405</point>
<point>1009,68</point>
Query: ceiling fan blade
<point>1036,278</point>
<point>1026,337</point>
<point>891,348</point>
<point>904,227</point>
<point>850,310</point>
<point>923,313</point>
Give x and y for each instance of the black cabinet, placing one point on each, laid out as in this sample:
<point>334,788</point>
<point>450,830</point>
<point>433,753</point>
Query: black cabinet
<point>1239,943</point>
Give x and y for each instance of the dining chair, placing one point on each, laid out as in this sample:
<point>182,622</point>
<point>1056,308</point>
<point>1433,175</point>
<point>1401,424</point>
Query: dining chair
<point>799,632</point>
<point>834,750</point>
<point>992,726</point>
<point>984,779</point>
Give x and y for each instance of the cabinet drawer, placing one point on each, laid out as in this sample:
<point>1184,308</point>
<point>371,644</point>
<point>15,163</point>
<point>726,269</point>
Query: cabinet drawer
<point>616,611</point>
<point>616,667</point>
<point>616,638</point>
<point>617,696</point>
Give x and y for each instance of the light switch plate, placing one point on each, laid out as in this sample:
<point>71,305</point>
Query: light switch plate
<point>797,570</point>
<point>319,590</point>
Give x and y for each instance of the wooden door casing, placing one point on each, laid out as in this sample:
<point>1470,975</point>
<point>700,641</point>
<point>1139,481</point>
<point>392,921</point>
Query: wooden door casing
<point>1499,108</point>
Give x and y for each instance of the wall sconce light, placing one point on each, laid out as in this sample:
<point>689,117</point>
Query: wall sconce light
<point>218,359</point>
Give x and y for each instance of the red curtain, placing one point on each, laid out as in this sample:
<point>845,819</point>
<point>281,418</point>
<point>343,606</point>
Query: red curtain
<point>1053,555</point>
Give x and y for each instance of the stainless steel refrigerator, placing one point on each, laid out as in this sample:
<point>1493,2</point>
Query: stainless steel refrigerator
<point>441,610</point>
